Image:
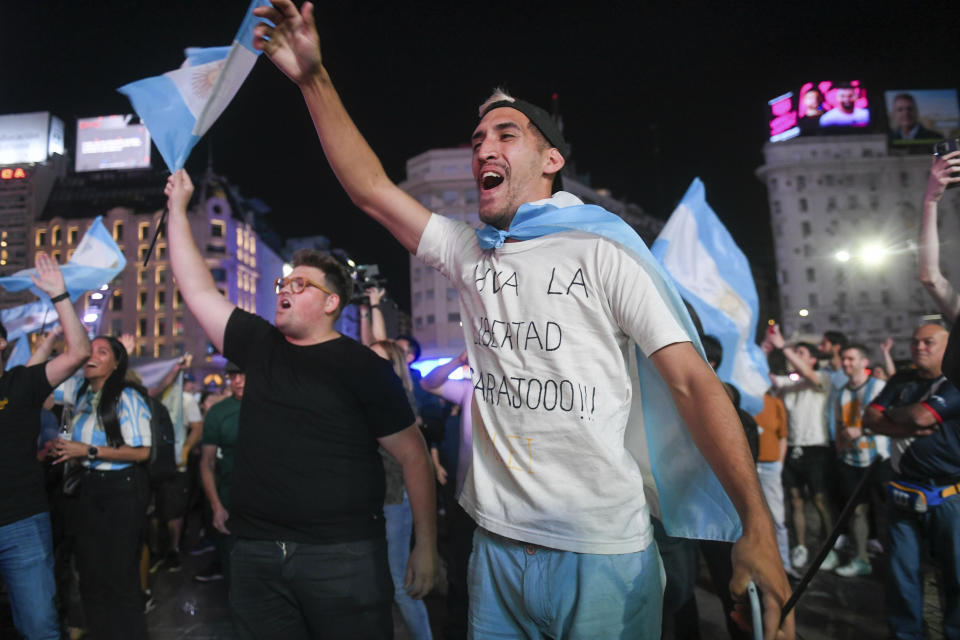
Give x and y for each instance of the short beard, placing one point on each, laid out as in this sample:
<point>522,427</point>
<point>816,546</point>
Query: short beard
<point>499,219</point>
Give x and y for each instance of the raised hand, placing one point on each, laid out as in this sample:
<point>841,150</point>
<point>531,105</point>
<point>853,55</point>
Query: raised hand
<point>179,190</point>
<point>944,171</point>
<point>129,342</point>
<point>292,44</point>
<point>48,278</point>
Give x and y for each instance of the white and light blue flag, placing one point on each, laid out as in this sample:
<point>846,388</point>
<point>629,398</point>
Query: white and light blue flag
<point>30,317</point>
<point>714,276</point>
<point>179,106</point>
<point>95,262</point>
<point>20,354</point>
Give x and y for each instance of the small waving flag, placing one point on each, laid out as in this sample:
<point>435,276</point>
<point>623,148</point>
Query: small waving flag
<point>179,106</point>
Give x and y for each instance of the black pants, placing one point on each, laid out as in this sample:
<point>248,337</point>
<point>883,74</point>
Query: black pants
<point>113,506</point>
<point>293,590</point>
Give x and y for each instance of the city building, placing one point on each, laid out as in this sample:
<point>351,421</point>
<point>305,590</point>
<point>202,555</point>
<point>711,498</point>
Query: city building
<point>144,300</point>
<point>845,215</point>
<point>442,180</point>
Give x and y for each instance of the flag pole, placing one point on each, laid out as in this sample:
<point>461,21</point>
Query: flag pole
<point>156,234</point>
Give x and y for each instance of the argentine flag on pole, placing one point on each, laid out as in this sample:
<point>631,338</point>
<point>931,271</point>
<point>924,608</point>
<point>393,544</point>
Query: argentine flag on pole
<point>30,317</point>
<point>179,106</point>
<point>714,276</point>
<point>20,354</point>
<point>95,262</point>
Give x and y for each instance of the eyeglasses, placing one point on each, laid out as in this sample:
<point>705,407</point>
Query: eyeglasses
<point>298,284</point>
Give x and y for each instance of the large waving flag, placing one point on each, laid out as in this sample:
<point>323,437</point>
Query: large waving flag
<point>179,106</point>
<point>714,276</point>
<point>95,262</point>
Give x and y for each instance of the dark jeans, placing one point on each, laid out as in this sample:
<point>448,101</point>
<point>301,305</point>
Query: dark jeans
<point>294,590</point>
<point>113,506</point>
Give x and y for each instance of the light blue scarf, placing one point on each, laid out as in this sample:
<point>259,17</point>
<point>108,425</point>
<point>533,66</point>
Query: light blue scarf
<point>691,501</point>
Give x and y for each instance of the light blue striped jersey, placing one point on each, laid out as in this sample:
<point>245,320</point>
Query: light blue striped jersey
<point>848,407</point>
<point>133,413</point>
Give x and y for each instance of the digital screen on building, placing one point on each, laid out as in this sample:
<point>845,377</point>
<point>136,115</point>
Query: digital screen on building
<point>819,108</point>
<point>111,142</point>
<point>918,117</point>
<point>29,137</point>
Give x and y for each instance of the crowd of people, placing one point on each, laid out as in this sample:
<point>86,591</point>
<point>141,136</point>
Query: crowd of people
<point>580,476</point>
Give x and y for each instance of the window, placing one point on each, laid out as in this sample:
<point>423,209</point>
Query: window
<point>885,296</point>
<point>807,251</point>
<point>431,319</point>
<point>141,300</point>
<point>178,325</point>
<point>161,251</point>
<point>56,256</point>
<point>161,299</point>
<point>142,327</point>
<point>451,293</point>
<point>41,237</point>
<point>904,179</point>
<point>118,231</point>
<point>177,299</point>
<point>142,253</point>
<point>143,231</point>
<point>775,206</point>
<point>417,297</point>
<point>831,204</point>
<point>811,275</point>
<point>72,235</point>
<point>161,326</point>
<point>140,275</point>
<point>219,274</point>
<point>841,298</point>
<point>801,183</point>
<point>158,348</point>
<point>116,326</point>
<point>453,318</point>
<point>429,294</point>
<point>784,277</point>
<point>116,301</point>
<point>805,228</point>
<point>55,236</point>
<point>419,322</point>
<point>160,277</point>
<point>813,299</point>
<point>218,229</point>
<point>450,196</point>
<point>802,203</point>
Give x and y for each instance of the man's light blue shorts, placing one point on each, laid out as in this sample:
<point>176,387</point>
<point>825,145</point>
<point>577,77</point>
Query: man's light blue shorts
<point>520,590</point>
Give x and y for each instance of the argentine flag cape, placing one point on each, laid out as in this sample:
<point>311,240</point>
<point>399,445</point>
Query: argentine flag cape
<point>680,487</point>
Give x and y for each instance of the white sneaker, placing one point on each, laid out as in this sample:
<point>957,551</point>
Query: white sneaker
<point>831,561</point>
<point>841,542</point>
<point>856,567</point>
<point>798,556</point>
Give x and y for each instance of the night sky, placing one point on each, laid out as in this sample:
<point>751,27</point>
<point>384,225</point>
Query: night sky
<point>688,79</point>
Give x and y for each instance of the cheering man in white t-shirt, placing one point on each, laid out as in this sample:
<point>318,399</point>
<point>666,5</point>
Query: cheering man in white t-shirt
<point>554,325</point>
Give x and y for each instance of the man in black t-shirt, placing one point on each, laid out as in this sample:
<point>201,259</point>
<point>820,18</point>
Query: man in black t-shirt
<point>26,546</point>
<point>921,411</point>
<point>306,507</point>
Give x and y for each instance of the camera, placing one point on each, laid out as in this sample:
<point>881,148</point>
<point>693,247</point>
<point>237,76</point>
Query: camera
<point>364,277</point>
<point>943,148</point>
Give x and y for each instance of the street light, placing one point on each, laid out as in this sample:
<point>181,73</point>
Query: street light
<point>873,254</point>
<point>842,256</point>
<point>803,313</point>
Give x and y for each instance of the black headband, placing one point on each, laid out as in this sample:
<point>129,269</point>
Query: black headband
<point>540,119</point>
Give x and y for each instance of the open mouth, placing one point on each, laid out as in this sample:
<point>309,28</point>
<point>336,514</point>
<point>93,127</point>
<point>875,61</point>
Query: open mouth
<point>490,180</point>
<point>285,303</point>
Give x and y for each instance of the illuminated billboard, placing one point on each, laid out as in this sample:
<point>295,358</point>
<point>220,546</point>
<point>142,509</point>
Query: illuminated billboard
<point>819,108</point>
<point>30,137</point>
<point>922,116</point>
<point>111,142</point>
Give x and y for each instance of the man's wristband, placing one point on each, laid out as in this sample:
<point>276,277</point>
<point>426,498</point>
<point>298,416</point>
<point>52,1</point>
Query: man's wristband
<point>58,298</point>
<point>375,306</point>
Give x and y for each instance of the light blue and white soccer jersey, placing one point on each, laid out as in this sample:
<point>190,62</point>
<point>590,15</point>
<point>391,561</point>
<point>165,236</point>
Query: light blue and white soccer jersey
<point>849,405</point>
<point>133,413</point>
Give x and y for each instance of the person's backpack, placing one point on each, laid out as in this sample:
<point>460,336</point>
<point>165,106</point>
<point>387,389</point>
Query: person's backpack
<point>162,463</point>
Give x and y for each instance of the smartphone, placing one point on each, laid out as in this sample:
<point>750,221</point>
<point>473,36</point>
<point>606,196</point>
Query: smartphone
<point>943,148</point>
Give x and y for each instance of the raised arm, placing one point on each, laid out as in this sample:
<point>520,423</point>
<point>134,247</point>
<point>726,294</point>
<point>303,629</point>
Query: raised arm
<point>944,172</point>
<point>193,276</point>
<point>294,47</point>
<point>49,279</point>
<point>378,326</point>
<point>799,364</point>
<point>434,380</point>
<point>889,366</point>
<point>45,347</point>
<point>716,429</point>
